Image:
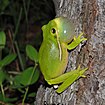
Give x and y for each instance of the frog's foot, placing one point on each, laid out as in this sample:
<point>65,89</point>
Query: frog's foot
<point>79,39</point>
<point>81,72</point>
<point>76,41</point>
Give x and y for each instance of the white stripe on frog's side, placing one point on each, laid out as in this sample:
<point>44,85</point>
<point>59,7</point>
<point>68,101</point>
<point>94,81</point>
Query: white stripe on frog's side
<point>59,46</point>
<point>57,34</point>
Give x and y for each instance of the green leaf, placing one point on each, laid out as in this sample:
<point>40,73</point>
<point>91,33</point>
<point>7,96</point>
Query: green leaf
<point>17,84</point>
<point>3,5</point>
<point>25,76</point>
<point>7,60</point>
<point>32,53</point>
<point>32,94</point>
<point>7,99</point>
<point>2,76</point>
<point>2,39</point>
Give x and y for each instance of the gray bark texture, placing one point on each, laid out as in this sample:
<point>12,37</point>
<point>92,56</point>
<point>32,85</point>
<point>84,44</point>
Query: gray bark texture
<point>88,17</point>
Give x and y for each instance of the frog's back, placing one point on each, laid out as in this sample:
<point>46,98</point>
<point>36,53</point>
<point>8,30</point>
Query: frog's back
<point>49,59</point>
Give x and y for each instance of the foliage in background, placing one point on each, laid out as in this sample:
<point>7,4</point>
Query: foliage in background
<point>20,25</point>
<point>22,80</point>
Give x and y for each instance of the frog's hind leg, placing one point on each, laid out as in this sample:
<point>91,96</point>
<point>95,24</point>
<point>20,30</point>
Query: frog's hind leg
<point>71,79</point>
<point>67,78</point>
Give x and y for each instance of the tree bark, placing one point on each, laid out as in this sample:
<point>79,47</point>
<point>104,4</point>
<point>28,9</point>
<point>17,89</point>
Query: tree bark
<point>89,17</point>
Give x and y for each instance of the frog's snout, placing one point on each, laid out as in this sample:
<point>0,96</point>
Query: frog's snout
<point>43,27</point>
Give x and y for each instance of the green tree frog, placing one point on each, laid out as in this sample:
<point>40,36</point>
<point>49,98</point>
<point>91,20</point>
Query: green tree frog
<point>58,37</point>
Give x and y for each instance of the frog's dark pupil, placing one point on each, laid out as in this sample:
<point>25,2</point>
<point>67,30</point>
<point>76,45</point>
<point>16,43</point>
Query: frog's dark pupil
<point>53,31</point>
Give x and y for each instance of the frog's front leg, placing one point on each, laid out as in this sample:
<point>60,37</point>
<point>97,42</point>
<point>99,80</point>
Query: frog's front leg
<point>67,79</point>
<point>76,42</point>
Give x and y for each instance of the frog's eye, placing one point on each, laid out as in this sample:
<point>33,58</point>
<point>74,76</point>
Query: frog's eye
<point>53,30</point>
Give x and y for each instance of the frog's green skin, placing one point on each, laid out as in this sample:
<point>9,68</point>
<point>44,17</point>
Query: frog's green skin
<point>53,54</point>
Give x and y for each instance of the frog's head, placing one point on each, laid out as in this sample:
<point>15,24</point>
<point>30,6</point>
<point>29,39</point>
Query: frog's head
<point>60,28</point>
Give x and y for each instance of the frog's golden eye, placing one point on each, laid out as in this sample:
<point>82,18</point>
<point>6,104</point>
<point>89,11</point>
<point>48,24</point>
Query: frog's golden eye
<point>53,30</point>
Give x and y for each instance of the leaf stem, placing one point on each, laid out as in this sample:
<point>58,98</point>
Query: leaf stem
<point>29,83</point>
<point>2,90</point>
<point>17,25</point>
<point>19,56</point>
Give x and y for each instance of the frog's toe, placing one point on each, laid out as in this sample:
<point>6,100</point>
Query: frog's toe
<point>81,39</point>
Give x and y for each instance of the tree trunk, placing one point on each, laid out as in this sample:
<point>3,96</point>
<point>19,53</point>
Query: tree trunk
<point>88,16</point>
